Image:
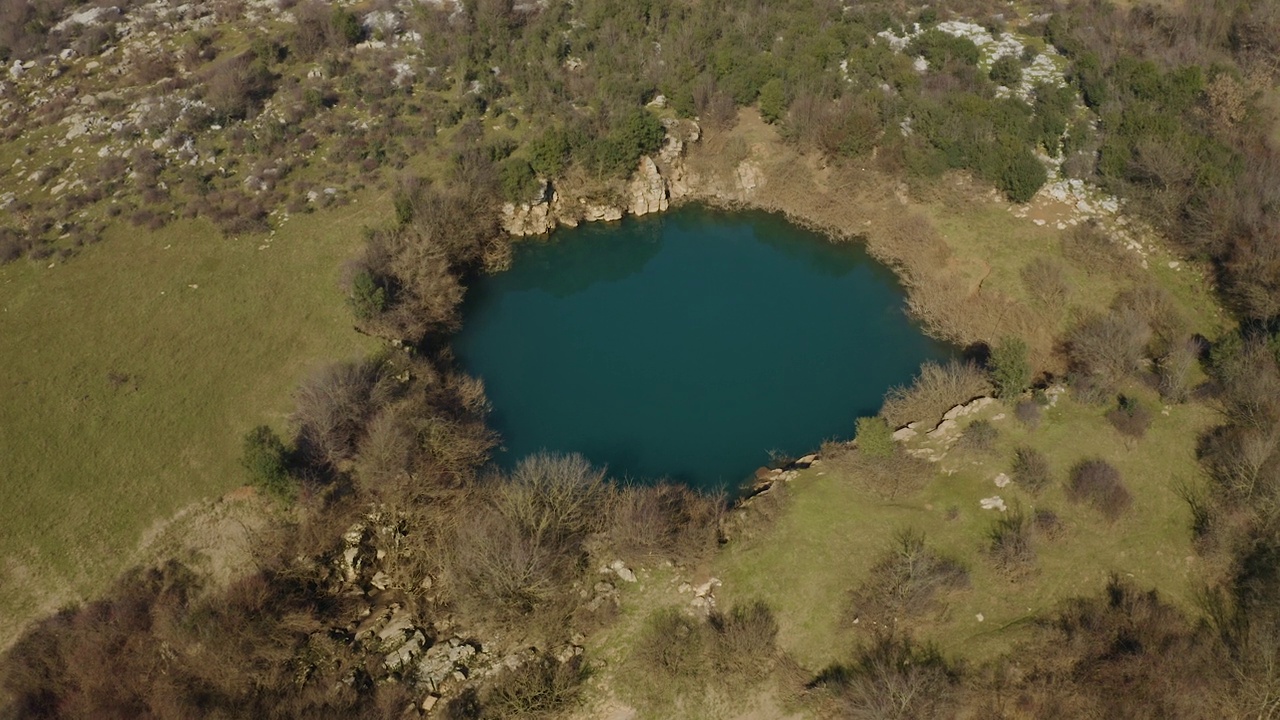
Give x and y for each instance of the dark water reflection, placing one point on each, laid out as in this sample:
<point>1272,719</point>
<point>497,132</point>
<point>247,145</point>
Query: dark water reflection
<point>687,345</point>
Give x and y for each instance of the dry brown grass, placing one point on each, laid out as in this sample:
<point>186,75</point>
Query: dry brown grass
<point>852,199</point>
<point>937,388</point>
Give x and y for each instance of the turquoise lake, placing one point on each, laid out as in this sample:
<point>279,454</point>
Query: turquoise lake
<point>687,345</point>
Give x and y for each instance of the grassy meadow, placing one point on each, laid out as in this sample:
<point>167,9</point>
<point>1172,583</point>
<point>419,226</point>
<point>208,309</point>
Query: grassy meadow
<point>133,370</point>
<point>834,530</point>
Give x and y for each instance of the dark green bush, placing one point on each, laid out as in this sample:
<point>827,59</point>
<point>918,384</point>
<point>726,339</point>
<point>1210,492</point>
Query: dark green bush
<point>1010,367</point>
<point>773,101</point>
<point>265,458</point>
<point>549,153</point>
<point>517,180</point>
<point>368,298</point>
<point>874,437</point>
<point>1006,71</point>
<point>941,49</point>
<point>1021,176</point>
<point>346,26</point>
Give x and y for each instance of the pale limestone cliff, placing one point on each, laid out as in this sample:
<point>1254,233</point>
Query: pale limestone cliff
<point>647,191</point>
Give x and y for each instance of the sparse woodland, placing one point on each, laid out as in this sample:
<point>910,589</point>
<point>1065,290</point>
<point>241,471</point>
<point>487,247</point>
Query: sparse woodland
<point>1165,108</point>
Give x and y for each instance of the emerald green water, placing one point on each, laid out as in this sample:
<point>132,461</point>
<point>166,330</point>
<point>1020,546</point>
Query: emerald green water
<point>687,345</point>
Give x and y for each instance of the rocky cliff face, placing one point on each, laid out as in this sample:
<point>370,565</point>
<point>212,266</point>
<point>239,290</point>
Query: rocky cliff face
<point>647,190</point>
<point>652,188</point>
<point>658,182</point>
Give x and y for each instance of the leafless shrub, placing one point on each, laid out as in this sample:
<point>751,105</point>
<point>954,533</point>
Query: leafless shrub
<point>1031,469</point>
<point>518,555</point>
<point>236,87</point>
<point>12,245</point>
<point>934,391</point>
<point>743,642</point>
<point>540,687</point>
<point>332,409</point>
<point>1175,369</point>
<point>503,571</point>
<point>1012,545</point>
<point>152,67</point>
<point>1129,654</point>
<point>670,521</point>
<point>1130,417</point>
<point>890,678</point>
<point>426,293</point>
<point>905,582</point>
<point>1250,379</point>
<point>1028,412</point>
<point>1098,483</point>
<point>979,435</point>
<point>1104,349</point>
<point>1046,523</point>
<point>1090,248</point>
<point>1157,308</point>
<point>1244,461</point>
<point>386,451</point>
<point>199,48</point>
<point>672,647</point>
<point>889,477</point>
<point>1045,280</point>
<point>555,496</point>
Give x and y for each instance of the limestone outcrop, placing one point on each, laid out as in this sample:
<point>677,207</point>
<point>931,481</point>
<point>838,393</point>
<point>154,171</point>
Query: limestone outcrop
<point>647,190</point>
<point>527,219</point>
<point>531,218</point>
<point>657,182</point>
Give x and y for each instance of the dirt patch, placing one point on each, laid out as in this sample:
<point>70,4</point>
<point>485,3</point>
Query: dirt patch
<point>215,537</point>
<point>45,595</point>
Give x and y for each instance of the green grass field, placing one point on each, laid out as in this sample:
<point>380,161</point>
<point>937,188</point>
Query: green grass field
<point>132,371</point>
<point>833,531</point>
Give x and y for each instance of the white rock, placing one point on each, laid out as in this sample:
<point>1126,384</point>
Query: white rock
<point>402,655</point>
<point>84,17</point>
<point>399,625</point>
<point>384,21</point>
<point>623,572</point>
<point>647,190</point>
<point>995,502</point>
<point>943,430</point>
<point>1002,480</point>
<point>749,176</point>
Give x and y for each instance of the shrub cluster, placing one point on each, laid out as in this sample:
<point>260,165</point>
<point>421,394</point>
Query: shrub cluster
<point>1098,483</point>
<point>904,583</point>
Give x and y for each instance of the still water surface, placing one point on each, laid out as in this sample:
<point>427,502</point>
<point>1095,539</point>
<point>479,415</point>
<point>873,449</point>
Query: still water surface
<point>687,345</point>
